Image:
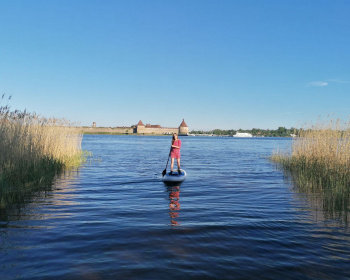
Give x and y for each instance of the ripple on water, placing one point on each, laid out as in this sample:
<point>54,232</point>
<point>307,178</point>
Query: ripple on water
<point>235,217</point>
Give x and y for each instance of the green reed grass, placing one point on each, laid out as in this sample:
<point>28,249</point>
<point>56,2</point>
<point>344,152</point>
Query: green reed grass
<point>319,156</point>
<point>34,150</point>
<point>318,162</point>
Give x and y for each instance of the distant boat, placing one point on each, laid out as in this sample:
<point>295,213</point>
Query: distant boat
<point>242,134</point>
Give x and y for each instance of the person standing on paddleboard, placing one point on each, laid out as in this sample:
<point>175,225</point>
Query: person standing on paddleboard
<point>175,152</point>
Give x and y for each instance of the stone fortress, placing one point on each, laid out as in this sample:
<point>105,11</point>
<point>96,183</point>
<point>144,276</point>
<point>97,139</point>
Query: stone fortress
<point>139,129</point>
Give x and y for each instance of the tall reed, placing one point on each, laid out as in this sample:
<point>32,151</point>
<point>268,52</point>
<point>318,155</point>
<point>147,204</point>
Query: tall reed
<point>34,150</point>
<point>319,155</point>
<point>318,163</point>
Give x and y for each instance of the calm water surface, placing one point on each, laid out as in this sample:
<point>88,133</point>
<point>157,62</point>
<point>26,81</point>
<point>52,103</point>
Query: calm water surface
<point>235,217</point>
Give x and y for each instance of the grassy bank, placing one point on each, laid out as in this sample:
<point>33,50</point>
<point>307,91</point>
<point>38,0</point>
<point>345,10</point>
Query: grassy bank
<point>34,150</point>
<point>319,156</point>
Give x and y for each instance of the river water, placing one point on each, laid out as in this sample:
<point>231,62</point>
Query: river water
<point>235,217</point>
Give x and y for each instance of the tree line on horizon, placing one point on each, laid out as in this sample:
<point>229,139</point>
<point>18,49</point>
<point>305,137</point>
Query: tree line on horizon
<point>279,132</point>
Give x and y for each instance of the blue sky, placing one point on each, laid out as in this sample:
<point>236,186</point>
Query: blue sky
<point>225,64</point>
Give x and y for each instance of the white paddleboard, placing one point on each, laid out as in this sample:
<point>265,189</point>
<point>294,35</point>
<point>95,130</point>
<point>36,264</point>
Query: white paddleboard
<point>175,177</point>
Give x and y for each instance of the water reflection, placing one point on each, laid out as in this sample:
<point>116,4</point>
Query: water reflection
<point>328,203</point>
<point>46,194</point>
<point>174,204</point>
<point>22,224</point>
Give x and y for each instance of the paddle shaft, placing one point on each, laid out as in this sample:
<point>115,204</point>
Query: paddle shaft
<point>168,160</point>
<point>164,171</point>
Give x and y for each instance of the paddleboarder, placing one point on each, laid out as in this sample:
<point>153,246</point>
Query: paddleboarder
<point>175,152</point>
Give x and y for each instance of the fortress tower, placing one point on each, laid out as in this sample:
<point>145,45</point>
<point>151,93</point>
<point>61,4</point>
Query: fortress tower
<point>140,127</point>
<point>183,128</point>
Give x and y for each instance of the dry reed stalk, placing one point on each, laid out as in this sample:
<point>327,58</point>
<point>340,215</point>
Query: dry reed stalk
<point>34,148</point>
<point>320,155</point>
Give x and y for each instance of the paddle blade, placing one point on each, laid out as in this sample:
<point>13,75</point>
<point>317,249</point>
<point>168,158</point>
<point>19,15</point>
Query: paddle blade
<point>164,172</point>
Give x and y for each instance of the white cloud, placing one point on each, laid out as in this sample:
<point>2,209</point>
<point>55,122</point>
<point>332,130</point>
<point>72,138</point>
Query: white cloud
<point>326,82</point>
<point>318,84</point>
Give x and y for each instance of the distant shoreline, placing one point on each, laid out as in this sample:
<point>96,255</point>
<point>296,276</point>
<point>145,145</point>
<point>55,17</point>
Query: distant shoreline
<point>126,134</point>
<point>115,131</point>
<point>281,132</point>
<point>197,135</point>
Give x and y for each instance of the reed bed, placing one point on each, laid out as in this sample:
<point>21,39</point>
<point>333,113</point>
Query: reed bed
<point>319,155</point>
<point>34,150</point>
<point>318,163</point>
